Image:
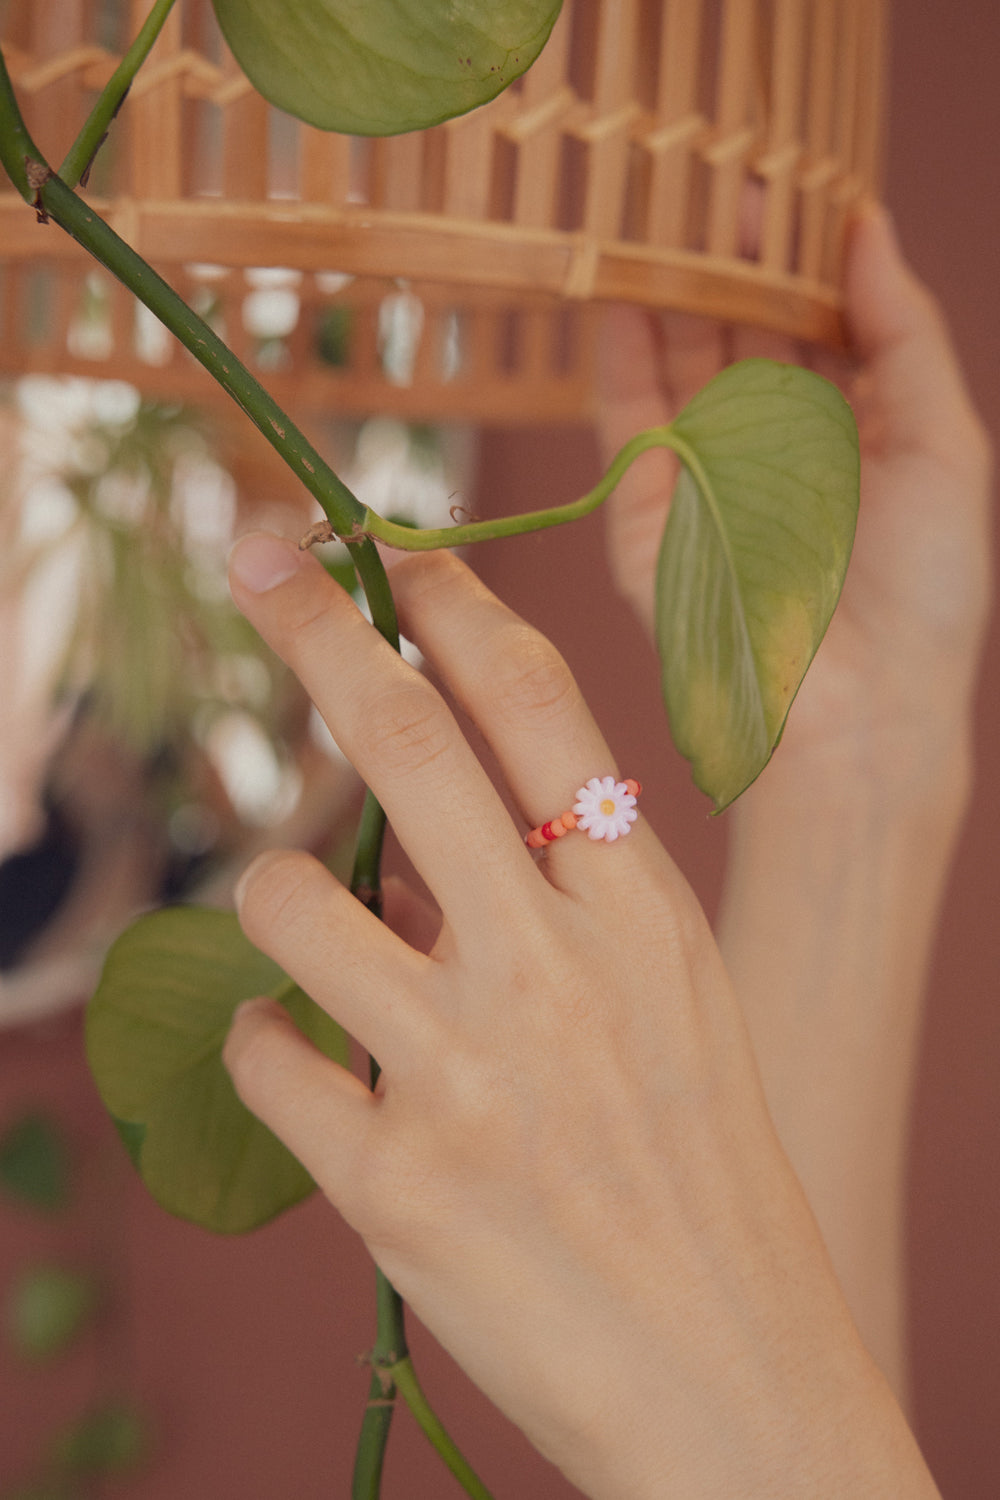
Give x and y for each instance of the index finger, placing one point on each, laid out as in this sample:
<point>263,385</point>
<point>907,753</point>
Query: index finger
<point>391,723</point>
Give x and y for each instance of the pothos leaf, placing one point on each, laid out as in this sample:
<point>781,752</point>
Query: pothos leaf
<point>155,1030</point>
<point>383,67</point>
<point>752,562</point>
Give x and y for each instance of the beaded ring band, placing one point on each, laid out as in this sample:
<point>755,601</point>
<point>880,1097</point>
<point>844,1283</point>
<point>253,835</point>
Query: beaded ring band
<point>604,809</point>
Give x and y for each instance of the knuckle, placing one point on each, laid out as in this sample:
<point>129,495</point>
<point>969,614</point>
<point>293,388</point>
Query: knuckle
<point>271,887</point>
<point>406,730</point>
<point>311,624</point>
<point>530,679</point>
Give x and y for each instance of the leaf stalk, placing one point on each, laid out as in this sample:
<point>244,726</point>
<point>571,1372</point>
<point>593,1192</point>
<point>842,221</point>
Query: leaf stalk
<point>81,154</point>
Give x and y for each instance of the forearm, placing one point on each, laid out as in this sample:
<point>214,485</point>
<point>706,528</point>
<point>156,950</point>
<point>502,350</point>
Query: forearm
<point>827,922</point>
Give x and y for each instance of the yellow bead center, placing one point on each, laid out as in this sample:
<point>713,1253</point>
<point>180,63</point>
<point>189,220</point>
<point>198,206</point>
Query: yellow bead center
<point>608,807</point>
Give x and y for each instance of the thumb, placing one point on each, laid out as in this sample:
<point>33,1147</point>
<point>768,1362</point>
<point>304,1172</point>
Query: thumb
<point>910,371</point>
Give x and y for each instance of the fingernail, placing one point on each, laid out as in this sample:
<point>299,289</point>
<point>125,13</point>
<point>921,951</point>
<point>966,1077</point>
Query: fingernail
<point>258,1005</point>
<point>240,887</point>
<point>260,561</point>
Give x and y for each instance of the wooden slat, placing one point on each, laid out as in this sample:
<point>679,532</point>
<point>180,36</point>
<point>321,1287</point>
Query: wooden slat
<point>324,167</point>
<point>399,172</point>
<point>155,126</point>
<point>733,138</point>
<point>55,111</point>
<point>783,146</point>
<point>468,166</point>
<point>679,123</point>
<point>616,108</point>
<point>537,130</point>
<point>634,189</point>
<point>819,165</point>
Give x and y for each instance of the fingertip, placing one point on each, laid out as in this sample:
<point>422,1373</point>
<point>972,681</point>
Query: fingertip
<point>885,301</point>
<point>253,1022</point>
<point>873,219</point>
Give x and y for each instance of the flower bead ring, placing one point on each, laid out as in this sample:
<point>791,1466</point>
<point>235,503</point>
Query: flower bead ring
<point>604,809</point>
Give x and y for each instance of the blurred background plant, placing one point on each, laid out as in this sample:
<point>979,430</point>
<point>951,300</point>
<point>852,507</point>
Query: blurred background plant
<point>149,745</point>
<point>52,1307</point>
<point>148,742</point>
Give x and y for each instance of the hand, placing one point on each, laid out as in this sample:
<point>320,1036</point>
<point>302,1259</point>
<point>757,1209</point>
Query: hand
<point>567,1168</point>
<point>838,854</point>
<point>891,685</point>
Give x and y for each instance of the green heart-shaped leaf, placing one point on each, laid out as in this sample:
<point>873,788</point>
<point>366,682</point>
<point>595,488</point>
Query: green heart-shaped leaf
<point>382,67</point>
<point>753,559</point>
<point>155,1030</point>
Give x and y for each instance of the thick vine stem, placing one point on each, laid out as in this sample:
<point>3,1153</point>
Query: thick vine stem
<point>390,1348</point>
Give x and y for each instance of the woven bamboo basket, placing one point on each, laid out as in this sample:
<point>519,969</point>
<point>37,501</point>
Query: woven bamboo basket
<point>700,154</point>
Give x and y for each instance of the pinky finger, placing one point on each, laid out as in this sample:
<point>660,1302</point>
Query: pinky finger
<point>320,1111</point>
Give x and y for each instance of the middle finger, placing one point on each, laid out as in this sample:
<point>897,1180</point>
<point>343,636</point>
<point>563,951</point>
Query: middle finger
<point>391,723</point>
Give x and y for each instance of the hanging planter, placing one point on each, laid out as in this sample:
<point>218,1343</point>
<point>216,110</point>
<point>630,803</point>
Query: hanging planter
<point>702,154</point>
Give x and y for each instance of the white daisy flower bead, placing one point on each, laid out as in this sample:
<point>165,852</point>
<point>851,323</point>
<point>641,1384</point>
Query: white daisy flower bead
<point>605,808</point>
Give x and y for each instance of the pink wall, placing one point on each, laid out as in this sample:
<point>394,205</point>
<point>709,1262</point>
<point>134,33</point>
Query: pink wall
<point>245,1350</point>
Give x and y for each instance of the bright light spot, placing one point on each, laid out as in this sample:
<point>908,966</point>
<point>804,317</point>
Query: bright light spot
<point>400,324</point>
<point>152,341</point>
<point>261,787</point>
<point>271,313</point>
<point>332,282</point>
<point>115,402</point>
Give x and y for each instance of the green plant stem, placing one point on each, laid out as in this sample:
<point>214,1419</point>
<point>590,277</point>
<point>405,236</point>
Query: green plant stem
<point>390,1348</point>
<point>405,1380</point>
<point>365,878</point>
<point>390,1329</point>
<point>393,1375</point>
<point>53,199</point>
<point>87,144</point>
<point>411,539</point>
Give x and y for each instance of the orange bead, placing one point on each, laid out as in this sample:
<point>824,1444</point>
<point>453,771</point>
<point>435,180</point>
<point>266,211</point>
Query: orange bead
<point>536,839</point>
<point>568,820</point>
<point>633,787</point>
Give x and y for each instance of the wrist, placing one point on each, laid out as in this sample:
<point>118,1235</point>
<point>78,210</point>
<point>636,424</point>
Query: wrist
<point>861,787</point>
<point>835,875</point>
<point>793,1407</point>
